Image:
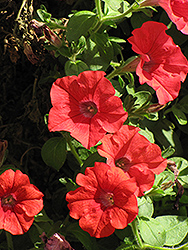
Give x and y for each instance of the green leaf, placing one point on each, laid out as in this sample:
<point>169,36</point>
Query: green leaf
<point>180,116</point>
<point>175,227</point>
<point>114,4</point>
<point>54,152</point>
<point>168,152</point>
<point>145,206</point>
<point>64,51</point>
<point>93,58</point>
<point>104,46</point>
<point>42,217</point>
<point>138,19</point>
<point>88,241</point>
<point>182,165</point>
<point>152,232</point>
<point>43,14</point>
<point>75,67</point>
<point>183,104</point>
<point>79,24</point>
<point>143,97</point>
<point>148,134</point>
<point>116,39</point>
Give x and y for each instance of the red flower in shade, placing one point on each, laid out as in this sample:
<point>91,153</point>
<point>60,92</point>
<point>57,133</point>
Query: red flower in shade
<point>133,153</point>
<point>85,106</point>
<point>20,201</point>
<point>104,201</point>
<point>162,64</point>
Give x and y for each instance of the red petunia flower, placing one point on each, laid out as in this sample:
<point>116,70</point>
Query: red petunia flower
<point>20,201</point>
<point>177,11</point>
<point>162,64</point>
<point>104,201</point>
<point>133,153</point>
<point>85,106</point>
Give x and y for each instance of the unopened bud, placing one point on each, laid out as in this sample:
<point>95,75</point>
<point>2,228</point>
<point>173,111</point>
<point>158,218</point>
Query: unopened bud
<point>130,65</point>
<point>51,36</point>
<point>155,107</point>
<point>146,3</point>
<point>37,27</point>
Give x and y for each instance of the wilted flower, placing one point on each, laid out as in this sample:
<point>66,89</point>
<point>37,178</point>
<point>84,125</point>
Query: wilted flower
<point>56,242</point>
<point>104,201</point>
<point>132,152</point>
<point>85,106</point>
<point>162,64</point>
<point>20,201</point>
<point>3,147</point>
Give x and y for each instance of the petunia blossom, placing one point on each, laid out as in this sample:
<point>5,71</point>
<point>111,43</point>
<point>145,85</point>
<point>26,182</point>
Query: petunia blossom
<point>177,11</point>
<point>104,201</point>
<point>162,64</point>
<point>20,201</point>
<point>85,106</point>
<point>132,152</point>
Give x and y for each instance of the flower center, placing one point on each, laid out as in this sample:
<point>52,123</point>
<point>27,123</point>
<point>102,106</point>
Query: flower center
<point>8,201</point>
<point>123,163</point>
<point>107,199</point>
<point>88,109</point>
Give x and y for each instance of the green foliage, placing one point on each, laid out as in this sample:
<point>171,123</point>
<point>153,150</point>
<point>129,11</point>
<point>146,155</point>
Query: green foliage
<point>79,24</point>
<point>47,18</point>
<point>54,152</point>
<point>88,242</point>
<point>152,232</point>
<point>175,228</point>
<point>75,67</point>
<point>145,206</point>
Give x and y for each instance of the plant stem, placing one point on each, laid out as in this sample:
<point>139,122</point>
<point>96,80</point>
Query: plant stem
<point>9,241</point>
<point>114,73</point>
<point>99,9</point>
<point>137,237</point>
<point>73,150</point>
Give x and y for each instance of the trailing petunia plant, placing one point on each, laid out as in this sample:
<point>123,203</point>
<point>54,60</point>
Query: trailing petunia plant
<point>119,106</point>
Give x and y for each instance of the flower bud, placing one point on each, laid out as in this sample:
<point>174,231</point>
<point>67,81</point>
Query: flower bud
<point>130,65</point>
<point>155,108</point>
<point>51,36</point>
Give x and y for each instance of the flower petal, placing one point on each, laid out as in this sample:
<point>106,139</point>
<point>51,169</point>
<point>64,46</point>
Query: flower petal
<point>6,182</point>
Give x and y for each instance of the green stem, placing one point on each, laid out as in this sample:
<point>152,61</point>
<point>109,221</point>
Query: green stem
<point>73,150</point>
<point>137,237</point>
<point>99,8</point>
<point>114,73</point>
<point>9,241</point>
